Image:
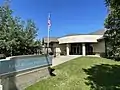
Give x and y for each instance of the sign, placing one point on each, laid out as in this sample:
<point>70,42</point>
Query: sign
<point>17,64</point>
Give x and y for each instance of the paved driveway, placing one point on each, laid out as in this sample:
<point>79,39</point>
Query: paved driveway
<point>61,59</point>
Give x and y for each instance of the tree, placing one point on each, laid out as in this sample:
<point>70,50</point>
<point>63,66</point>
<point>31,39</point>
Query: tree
<point>27,38</point>
<point>6,20</point>
<point>112,24</point>
<point>17,37</point>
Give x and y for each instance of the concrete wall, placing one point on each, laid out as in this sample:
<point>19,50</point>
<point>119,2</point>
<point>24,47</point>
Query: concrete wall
<point>21,80</point>
<point>99,47</point>
<point>59,49</point>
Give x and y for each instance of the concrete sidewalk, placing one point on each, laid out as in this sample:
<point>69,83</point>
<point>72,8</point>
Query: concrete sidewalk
<point>61,59</point>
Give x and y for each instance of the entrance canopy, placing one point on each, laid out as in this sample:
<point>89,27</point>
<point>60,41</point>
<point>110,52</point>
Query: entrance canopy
<point>79,39</point>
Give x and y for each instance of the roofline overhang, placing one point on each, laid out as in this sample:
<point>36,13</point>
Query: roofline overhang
<point>100,39</point>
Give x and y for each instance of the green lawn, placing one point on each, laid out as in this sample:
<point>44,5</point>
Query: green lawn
<point>84,73</point>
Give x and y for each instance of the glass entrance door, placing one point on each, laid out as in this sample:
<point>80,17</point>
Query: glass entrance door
<point>89,49</point>
<point>76,49</point>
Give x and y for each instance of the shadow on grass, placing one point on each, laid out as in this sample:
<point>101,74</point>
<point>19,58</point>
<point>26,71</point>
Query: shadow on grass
<point>103,77</point>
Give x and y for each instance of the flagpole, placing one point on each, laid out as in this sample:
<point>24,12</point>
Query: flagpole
<point>48,41</point>
<point>48,34</point>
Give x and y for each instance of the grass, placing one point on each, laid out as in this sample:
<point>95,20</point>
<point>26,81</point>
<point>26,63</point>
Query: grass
<point>84,73</point>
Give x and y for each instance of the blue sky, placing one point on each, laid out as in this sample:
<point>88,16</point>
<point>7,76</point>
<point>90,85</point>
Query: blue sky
<point>67,16</point>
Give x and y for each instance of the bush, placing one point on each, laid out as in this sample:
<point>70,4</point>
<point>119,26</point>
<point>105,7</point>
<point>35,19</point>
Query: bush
<point>2,56</point>
<point>103,55</point>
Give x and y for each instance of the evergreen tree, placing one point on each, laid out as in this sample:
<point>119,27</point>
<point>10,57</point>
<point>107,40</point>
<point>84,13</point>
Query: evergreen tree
<point>112,25</point>
<point>17,37</point>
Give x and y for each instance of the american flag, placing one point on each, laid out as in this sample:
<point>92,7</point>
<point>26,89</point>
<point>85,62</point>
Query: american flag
<point>49,22</point>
